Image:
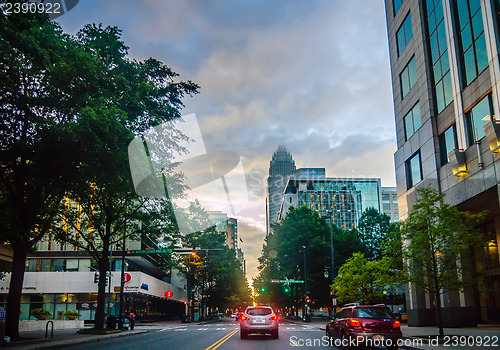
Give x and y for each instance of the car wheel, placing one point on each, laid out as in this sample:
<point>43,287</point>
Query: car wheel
<point>275,334</point>
<point>243,334</point>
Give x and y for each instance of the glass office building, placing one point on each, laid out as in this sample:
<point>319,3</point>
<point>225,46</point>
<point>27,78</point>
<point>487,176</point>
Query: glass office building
<point>446,86</point>
<point>339,200</point>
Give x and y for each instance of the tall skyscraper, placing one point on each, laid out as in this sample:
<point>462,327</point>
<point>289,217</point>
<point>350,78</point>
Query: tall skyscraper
<point>446,85</point>
<point>280,167</point>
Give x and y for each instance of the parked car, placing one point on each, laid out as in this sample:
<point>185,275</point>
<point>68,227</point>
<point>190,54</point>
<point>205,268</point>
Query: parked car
<point>259,319</point>
<point>365,323</point>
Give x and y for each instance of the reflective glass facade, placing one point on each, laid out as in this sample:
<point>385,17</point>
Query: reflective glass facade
<point>439,54</point>
<point>472,41</point>
<point>404,34</point>
<point>413,170</point>
<point>397,5</point>
<point>477,118</point>
<point>412,121</point>
<point>448,142</point>
<point>408,77</point>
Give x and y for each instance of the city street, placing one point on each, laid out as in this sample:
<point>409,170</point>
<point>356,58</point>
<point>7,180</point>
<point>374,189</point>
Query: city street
<point>223,334</point>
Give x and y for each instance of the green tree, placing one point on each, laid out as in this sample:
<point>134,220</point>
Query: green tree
<point>283,257</point>
<point>442,247</point>
<point>374,229</point>
<point>362,280</point>
<point>222,283</point>
<point>55,90</point>
<point>133,96</point>
<point>41,88</point>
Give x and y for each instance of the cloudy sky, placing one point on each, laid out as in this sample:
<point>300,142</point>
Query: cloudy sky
<point>312,75</point>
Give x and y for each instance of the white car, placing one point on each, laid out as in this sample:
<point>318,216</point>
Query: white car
<point>259,319</point>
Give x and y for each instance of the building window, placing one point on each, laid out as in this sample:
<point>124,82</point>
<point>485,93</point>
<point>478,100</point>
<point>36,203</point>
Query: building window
<point>448,142</point>
<point>408,77</point>
<point>397,5</point>
<point>413,170</point>
<point>412,121</point>
<point>404,34</point>
<point>477,118</point>
<point>472,41</point>
<point>439,54</point>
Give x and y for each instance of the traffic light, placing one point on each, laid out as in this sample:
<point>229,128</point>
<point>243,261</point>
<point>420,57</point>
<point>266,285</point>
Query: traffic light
<point>262,289</point>
<point>96,277</point>
<point>207,262</point>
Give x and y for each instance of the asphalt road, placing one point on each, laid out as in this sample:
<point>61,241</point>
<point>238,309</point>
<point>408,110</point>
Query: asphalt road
<point>221,335</point>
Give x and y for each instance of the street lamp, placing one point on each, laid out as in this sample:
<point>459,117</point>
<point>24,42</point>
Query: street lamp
<point>332,257</point>
<point>305,283</point>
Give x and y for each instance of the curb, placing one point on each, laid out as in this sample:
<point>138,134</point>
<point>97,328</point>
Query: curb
<point>70,342</point>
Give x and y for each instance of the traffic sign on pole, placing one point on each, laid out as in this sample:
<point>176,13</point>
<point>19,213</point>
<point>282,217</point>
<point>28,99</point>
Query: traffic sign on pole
<point>149,251</point>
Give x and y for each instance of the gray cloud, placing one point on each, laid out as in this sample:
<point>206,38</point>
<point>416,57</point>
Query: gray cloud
<point>313,75</point>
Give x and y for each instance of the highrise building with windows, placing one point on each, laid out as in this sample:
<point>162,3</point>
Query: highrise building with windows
<point>390,203</point>
<point>280,167</point>
<point>341,201</point>
<point>446,85</point>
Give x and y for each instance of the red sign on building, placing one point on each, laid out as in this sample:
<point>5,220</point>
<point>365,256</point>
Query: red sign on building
<point>169,294</point>
<point>126,277</point>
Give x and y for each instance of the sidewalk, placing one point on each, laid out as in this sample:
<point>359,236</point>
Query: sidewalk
<point>68,337</point>
<point>418,337</point>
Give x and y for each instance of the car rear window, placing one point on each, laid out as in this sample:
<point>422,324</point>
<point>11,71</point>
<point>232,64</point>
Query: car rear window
<point>259,312</point>
<point>366,312</point>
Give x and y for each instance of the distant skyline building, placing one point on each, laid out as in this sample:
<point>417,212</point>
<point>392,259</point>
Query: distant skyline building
<point>229,227</point>
<point>445,67</point>
<point>390,203</point>
<point>280,167</point>
<point>339,200</point>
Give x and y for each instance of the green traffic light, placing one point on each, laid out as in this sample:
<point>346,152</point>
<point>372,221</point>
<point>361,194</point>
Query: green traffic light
<point>263,289</point>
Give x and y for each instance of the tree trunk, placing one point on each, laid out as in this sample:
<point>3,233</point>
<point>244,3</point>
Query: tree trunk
<point>101,289</point>
<point>438,309</point>
<point>15,290</point>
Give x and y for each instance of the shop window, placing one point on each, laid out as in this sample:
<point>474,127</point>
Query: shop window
<point>59,265</point>
<point>72,265</point>
<point>45,265</point>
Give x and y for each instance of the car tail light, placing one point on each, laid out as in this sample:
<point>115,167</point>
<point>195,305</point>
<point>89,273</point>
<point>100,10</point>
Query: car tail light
<point>355,324</point>
<point>243,317</point>
<point>274,318</point>
<point>396,324</point>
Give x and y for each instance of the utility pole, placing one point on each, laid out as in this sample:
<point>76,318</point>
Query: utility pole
<point>122,283</point>
<point>305,283</point>
<point>332,261</point>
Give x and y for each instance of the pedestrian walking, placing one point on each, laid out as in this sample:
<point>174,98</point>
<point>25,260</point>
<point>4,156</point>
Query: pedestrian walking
<point>2,326</point>
<point>132,320</point>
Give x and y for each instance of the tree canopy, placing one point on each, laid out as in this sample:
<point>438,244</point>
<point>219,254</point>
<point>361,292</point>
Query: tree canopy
<point>442,247</point>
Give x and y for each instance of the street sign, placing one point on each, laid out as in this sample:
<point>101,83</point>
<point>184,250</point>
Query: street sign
<point>334,301</point>
<point>126,277</point>
<point>149,251</point>
<point>286,281</point>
